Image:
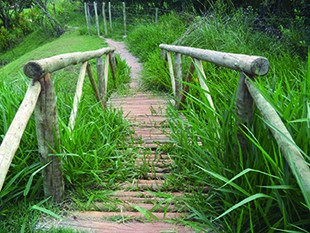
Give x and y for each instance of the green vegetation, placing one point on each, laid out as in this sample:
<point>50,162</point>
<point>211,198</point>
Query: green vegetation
<point>227,190</point>
<point>92,158</point>
<point>253,191</point>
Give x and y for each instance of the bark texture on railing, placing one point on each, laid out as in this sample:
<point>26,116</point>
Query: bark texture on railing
<point>14,134</point>
<point>37,69</point>
<point>249,64</point>
<point>247,95</point>
<point>290,150</point>
<point>41,98</point>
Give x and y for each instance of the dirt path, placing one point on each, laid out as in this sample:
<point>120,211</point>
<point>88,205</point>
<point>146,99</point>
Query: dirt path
<point>132,61</point>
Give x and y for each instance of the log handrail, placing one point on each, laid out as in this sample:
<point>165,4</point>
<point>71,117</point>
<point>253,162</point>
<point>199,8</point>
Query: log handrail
<point>40,98</point>
<point>254,65</point>
<point>247,95</point>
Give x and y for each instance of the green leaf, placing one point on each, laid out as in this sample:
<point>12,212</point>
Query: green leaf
<point>46,211</point>
<point>241,203</point>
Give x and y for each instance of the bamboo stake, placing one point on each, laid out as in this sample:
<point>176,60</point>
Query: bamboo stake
<point>249,64</point>
<point>78,95</point>
<point>104,19</point>
<point>110,16</point>
<point>244,110</point>
<point>16,130</point>
<point>37,69</point>
<point>290,150</point>
<point>97,20</point>
<point>171,73</point>
<point>202,77</point>
<point>92,81</point>
<point>48,139</point>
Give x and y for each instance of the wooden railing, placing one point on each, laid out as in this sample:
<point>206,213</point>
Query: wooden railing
<point>249,67</point>
<point>40,98</point>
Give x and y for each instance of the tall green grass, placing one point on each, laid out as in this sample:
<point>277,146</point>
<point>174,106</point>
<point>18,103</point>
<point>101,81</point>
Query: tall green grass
<point>231,190</point>
<point>93,155</point>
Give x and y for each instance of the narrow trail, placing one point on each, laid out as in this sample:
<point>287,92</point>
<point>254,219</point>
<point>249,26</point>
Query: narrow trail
<point>146,113</point>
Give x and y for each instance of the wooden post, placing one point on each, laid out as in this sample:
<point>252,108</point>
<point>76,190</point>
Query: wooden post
<point>244,110</point>
<point>78,95</point>
<point>178,78</point>
<point>171,74</point>
<point>106,75</point>
<point>100,74</point>
<point>86,16</point>
<point>124,14</point>
<point>290,150</point>
<point>110,16</point>
<point>48,139</point>
<point>186,86</point>
<point>112,62</point>
<point>92,81</point>
<point>16,130</point>
<point>104,19</point>
<point>97,20</point>
<point>156,15</point>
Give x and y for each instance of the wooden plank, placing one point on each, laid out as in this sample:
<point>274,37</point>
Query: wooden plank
<point>254,65</point>
<point>178,78</point>
<point>77,96</point>
<point>92,81</point>
<point>49,140</point>
<point>16,130</point>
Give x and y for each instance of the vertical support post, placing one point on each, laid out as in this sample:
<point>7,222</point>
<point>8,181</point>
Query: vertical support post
<point>49,139</point>
<point>104,19</point>
<point>110,16</point>
<point>244,110</point>
<point>106,75</point>
<point>112,62</point>
<point>124,14</point>
<point>92,81</point>
<point>100,73</point>
<point>86,16</point>
<point>202,77</point>
<point>97,20</point>
<point>156,15</point>
<point>77,96</point>
<point>186,86</point>
<point>178,78</point>
<point>171,73</point>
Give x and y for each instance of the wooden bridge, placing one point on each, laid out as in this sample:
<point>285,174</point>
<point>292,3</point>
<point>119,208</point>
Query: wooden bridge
<point>137,200</point>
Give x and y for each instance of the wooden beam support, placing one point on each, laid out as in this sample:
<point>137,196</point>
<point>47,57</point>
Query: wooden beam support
<point>16,130</point>
<point>100,75</point>
<point>186,86</point>
<point>48,140</point>
<point>178,78</point>
<point>77,96</point>
<point>92,81</point>
<point>171,73</point>
<point>244,110</point>
<point>290,150</point>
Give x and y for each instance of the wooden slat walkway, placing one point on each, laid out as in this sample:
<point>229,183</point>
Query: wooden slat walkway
<point>146,113</point>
